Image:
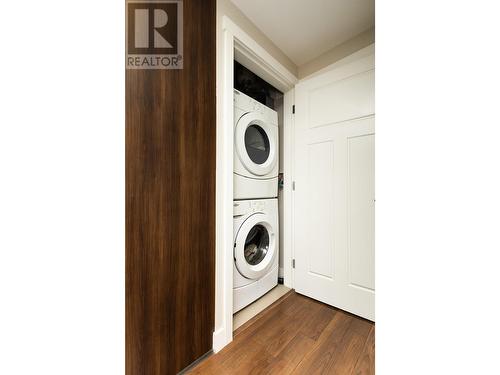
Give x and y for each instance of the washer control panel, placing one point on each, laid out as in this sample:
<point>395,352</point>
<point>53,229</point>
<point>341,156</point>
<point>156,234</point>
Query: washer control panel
<point>257,206</point>
<point>249,206</point>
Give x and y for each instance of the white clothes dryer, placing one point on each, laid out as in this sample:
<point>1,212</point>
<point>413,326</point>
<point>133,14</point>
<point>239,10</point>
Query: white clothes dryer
<point>255,149</point>
<point>256,250</point>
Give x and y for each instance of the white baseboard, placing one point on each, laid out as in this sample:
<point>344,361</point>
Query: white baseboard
<point>220,339</point>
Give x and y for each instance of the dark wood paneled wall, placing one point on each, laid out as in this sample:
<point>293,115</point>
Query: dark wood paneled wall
<point>170,204</point>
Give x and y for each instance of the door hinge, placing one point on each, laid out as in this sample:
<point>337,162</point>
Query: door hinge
<point>293,263</point>
<point>293,185</point>
<point>293,109</point>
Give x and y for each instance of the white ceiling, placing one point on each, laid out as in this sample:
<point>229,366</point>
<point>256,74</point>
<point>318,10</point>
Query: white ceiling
<point>305,29</point>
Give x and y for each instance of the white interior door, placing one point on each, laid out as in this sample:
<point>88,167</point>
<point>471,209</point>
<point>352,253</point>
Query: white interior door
<point>334,198</point>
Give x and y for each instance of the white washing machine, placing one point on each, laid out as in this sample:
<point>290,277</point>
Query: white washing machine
<point>255,149</point>
<point>256,250</point>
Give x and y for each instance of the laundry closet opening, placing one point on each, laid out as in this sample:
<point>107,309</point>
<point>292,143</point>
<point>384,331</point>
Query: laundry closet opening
<point>258,195</point>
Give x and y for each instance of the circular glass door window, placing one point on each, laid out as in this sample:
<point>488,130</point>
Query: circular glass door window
<point>256,245</point>
<point>257,144</point>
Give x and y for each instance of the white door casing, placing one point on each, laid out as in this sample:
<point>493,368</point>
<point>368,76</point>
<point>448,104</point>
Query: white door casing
<point>235,43</point>
<point>334,198</point>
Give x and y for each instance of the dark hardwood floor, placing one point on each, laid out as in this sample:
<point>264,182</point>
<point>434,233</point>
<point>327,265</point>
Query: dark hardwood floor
<point>297,335</point>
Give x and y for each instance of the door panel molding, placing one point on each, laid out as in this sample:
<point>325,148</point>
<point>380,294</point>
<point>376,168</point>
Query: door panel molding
<point>334,196</point>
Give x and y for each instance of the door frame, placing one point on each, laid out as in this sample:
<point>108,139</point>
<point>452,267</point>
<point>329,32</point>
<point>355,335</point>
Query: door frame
<point>238,44</point>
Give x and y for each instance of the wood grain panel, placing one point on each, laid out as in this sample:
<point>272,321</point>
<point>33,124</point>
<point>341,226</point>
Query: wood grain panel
<point>170,204</point>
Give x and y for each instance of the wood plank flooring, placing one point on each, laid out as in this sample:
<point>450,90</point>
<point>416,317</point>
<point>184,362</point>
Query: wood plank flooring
<point>297,335</point>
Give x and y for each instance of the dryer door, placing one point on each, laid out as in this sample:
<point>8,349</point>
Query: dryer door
<point>256,143</point>
<point>255,247</point>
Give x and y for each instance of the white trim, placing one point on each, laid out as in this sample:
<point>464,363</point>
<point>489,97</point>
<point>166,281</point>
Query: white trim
<point>288,173</point>
<point>224,202</point>
<point>252,53</point>
<point>220,339</point>
<point>256,58</point>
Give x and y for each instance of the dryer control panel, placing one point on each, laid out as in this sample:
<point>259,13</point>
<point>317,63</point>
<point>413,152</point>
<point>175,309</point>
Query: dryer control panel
<point>247,104</point>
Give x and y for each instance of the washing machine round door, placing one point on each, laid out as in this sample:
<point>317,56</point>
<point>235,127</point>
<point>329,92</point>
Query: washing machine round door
<point>255,142</point>
<point>255,247</point>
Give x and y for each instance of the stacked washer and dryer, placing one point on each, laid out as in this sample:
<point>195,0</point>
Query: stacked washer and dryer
<point>255,210</point>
